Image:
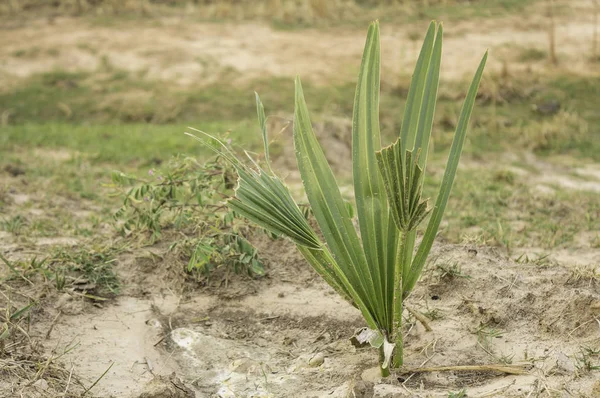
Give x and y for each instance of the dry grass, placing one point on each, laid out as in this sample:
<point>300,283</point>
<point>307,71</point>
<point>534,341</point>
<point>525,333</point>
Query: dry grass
<point>585,275</point>
<point>24,370</point>
<point>285,11</point>
<point>230,9</point>
<point>547,134</point>
<point>28,367</point>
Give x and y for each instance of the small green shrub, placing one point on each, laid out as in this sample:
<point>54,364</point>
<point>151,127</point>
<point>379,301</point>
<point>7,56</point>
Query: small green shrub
<point>458,394</point>
<point>186,196</point>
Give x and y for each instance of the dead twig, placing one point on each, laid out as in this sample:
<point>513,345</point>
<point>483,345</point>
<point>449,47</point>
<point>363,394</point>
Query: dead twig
<point>149,365</point>
<point>422,364</point>
<point>97,380</point>
<point>420,317</point>
<point>269,318</point>
<point>52,324</point>
<point>50,361</point>
<point>580,326</point>
<point>68,381</point>
<point>160,341</point>
<point>14,270</point>
<point>513,370</point>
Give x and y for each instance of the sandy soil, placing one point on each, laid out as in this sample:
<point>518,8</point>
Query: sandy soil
<point>291,337</point>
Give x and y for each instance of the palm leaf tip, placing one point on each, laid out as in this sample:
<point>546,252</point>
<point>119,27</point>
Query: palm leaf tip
<point>403,181</point>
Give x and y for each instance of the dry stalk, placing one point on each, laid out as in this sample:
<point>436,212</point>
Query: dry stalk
<point>595,34</point>
<point>97,380</point>
<point>552,34</point>
<point>512,369</point>
<point>420,317</point>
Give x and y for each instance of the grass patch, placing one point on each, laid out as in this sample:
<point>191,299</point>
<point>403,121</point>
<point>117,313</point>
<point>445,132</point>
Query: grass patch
<point>497,207</point>
<point>21,362</point>
<point>116,96</point>
<point>581,94</point>
<point>489,203</point>
<point>458,394</point>
<point>87,271</point>
<point>130,145</point>
<point>549,115</point>
<point>108,128</point>
<point>531,54</point>
<point>457,11</point>
<point>119,110</point>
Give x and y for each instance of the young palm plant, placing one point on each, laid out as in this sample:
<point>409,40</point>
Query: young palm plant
<point>376,267</point>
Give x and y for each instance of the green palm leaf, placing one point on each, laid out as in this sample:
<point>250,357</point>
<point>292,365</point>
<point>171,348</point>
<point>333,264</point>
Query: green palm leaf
<point>330,209</point>
<point>379,241</point>
<point>447,182</point>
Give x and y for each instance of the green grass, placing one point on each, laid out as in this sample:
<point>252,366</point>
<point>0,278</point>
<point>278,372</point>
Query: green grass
<point>94,264</point>
<point>511,123</point>
<point>104,127</point>
<point>581,94</point>
<point>487,199</point>
<point>490,205</point>
<point>87,270</point>
<point>531,54</point>
<point>112,95</point>
<point>458,394</point>
<point>133,145</point>
<point>121,110</point>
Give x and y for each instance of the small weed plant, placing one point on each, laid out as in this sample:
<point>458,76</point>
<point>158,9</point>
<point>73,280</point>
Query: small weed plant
<point>587,360</point>
<point>376,267</point>
<point>458,394</point>
<point>184,197</point>
<point>87,271</point>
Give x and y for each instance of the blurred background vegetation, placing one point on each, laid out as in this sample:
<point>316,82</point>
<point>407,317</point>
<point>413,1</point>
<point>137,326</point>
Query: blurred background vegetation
<point>281,11</point>
<point>113,84</point>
